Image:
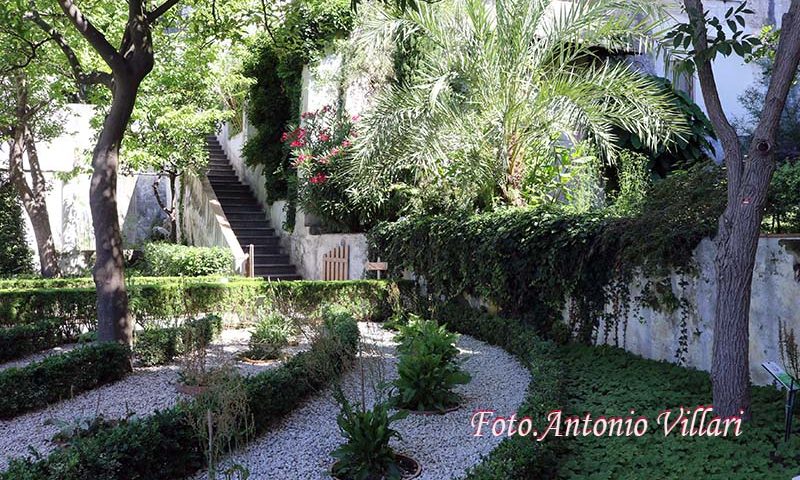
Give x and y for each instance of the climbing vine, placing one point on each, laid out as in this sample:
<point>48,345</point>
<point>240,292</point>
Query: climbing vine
<point>529,261</point>
<point>276,65</point>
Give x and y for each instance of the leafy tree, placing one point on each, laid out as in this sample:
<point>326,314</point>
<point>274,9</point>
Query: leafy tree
<point>178,107</point>
<point>32,91</point>
<point>749,173</point>
<point>500,87</point>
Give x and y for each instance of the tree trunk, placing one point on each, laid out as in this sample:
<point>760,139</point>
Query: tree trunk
<point>173,208</point>
<point>32,196</point>
<point>114,322</point>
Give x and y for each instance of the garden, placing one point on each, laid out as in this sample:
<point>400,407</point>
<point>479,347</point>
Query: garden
<point>560,249</point>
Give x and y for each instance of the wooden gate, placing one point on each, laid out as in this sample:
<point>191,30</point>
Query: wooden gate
<point>336,263</point>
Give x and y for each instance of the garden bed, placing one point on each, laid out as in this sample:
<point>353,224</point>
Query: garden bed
<point>300,447</point>
<point>141,393</point>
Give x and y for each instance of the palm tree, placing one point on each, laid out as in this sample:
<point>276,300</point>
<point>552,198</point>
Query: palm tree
<point>500,85</point>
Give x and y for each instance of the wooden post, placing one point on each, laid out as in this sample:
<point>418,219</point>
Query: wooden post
<point>251,263</point>
<point>377,267</point>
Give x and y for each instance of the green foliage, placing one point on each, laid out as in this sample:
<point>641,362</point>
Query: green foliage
<point>692,148</point>
<point>610,381</point>
<point>270,335</point>
<point>15,256</point>
<point>318,151</point>
<point>171,260</point>
<point>528,261</point>
<point>366,453</point>
<point>21,340</point>
<point>275,65</point>
<point>428,369</point>
<point>723,38</point>
<point>158,301</point>
<point>165,446</point>
<point>159,346</point>
<point>59,377</point>
<point>782,212</point>
<point>461,135</point>
<point>516,458</point>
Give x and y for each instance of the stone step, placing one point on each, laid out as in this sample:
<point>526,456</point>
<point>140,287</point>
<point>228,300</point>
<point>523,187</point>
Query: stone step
<point>274,269</point>
<point>258,241</point>
<point>254,232</point>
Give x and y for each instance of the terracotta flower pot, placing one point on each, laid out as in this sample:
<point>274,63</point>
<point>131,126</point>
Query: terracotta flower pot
<point>410,467</point>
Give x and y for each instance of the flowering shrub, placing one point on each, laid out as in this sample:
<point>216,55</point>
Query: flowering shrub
<point>318,151</point>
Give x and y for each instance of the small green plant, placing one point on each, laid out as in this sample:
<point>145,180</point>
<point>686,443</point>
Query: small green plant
<point>69,431</point>
<point>221,417</point>
<point>790,351</point>
<point>270,335</point>
<point>366,454</point>
<point>196,336</point>
<point>428,369</point>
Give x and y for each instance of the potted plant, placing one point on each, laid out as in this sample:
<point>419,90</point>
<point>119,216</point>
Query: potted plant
<point>428,369</point>
<point>366,454</point>
<point>271,334</point>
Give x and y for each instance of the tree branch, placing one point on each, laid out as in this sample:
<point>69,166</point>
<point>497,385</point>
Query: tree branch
<point>725,131</point>
<point>160,10</point>
<point>81,77</point>
<point>96,38</point>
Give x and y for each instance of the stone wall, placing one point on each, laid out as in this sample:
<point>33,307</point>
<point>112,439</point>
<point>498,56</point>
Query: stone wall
<point>203,223</point>
<point>66,165</point>
<point>654,333</point>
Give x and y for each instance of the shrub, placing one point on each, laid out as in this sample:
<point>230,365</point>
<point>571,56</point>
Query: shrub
<point>21,340</point>
<point>15,256</point>
<point>428,368</point>
<point>782,212</point>
<point>269,336</point>
<point>160,300</point>
<point>159,346</point>
<point>59,377</point>
<point>318,150</point>
<point>164,446</point>
<point>156,346</point>
<point>366,452</point>
<point>170,260</point>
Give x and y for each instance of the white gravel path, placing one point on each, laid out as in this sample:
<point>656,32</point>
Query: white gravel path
<point>142,392</point>
<point>36,357</point>
<point>299,447</point>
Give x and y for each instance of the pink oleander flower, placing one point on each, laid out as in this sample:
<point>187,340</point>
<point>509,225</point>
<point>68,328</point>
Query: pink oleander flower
<point>355,118</point>
<point>297,144</point>
<point>335,152</point>
<point>323,137</point>
<point>318,179</point>
<point>346,144</point>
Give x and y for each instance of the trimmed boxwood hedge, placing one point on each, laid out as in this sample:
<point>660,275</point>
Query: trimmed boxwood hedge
<point>156,299</point>
<point>61,376</point>
<point>21,340</point>
<point>164,446</point>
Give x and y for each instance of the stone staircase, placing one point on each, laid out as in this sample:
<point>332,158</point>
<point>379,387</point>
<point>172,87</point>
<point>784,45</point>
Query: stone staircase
<point>246,217</point>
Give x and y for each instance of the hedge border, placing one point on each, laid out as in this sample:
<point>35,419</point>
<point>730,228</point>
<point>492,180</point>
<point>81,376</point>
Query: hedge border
<point>19,341</point>
<point>162,299</point>
<point>58,377</point>
<point>517,457</point>
<point>164,446</point>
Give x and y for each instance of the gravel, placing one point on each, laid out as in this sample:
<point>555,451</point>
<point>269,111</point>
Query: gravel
<point>299,447</point>
<point>141,393</point>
